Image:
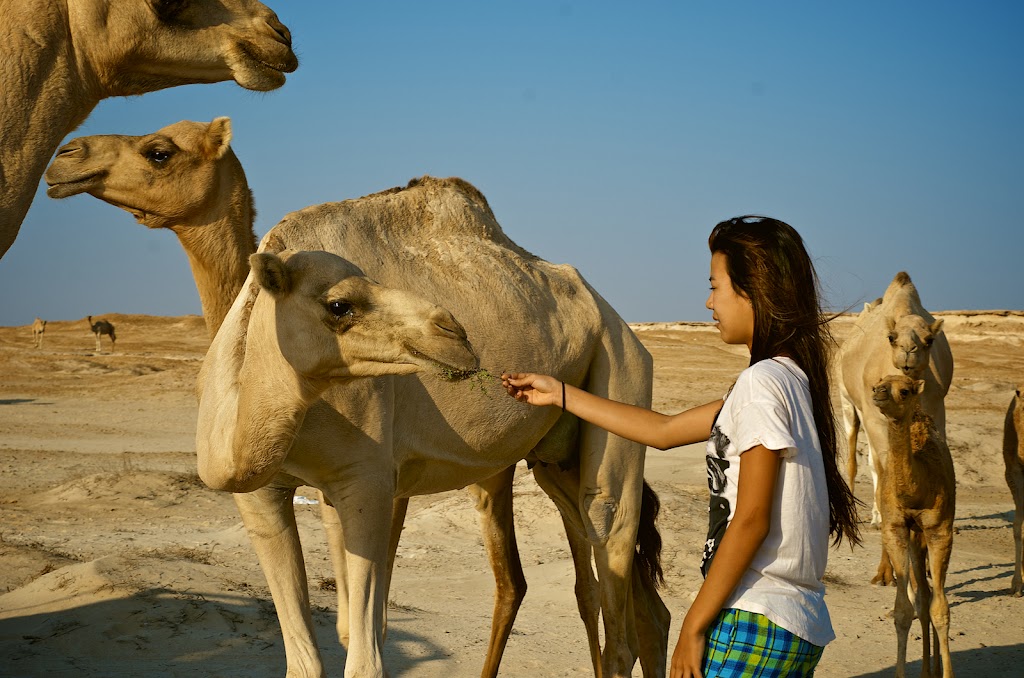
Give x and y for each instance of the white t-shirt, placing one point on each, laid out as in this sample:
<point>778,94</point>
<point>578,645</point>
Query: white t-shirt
<point>770,405</point>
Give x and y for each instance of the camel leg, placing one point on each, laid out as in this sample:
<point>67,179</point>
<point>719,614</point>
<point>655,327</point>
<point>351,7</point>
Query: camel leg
<point>336,550</point>
<point>896,538</point>
<point>940,545</point>
<point>269,519</point>
<point>494,505</point>
<point>883,574</point>
<point>399,509</point>
<point>875,460</point>
<point>97,343</point>
<point>851,424</point>
<point>563,489</point>
<point>920,593</point>
<point>1015,481</point>
<point>610,505</point>
<point>365,565</point>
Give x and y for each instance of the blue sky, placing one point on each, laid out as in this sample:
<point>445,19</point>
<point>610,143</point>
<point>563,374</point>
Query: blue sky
<point>611,136</point>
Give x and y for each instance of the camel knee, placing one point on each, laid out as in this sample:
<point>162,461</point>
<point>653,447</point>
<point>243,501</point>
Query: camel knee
<point>599,516</point>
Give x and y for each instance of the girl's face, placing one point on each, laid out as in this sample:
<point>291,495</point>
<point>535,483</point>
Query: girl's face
<point>731,310</point>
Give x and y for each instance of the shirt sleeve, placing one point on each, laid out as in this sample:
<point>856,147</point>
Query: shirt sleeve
<point>764,418</point>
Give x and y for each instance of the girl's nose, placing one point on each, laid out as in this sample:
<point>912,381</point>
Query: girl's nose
<point>708,305</point>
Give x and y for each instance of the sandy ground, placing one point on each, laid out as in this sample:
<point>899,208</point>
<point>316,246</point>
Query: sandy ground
<point>116,561</point>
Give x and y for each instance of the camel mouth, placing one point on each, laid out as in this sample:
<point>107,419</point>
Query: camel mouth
<point>447,369</point>
<point>265,75</point>
<point>65,189</point>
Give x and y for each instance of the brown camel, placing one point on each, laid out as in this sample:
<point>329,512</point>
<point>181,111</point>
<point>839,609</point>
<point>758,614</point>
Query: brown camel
<point>38,327</point>
<point>918,502</point>
<point>60,58</point>
<point>1013,457</point>
<point>217,235</point>
<point>892,335</point>
<point>99,328</point>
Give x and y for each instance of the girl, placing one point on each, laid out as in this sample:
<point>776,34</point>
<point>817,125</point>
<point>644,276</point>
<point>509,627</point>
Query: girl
<point>771,456</point>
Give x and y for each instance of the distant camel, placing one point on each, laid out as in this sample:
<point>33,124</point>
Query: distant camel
<point>1013,456</point>
<point>60,58</point>
<point>101,327</point>
<point>38,327</point>
<point>199,171</point>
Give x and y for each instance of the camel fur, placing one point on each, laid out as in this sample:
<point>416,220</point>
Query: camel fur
<point>918,502</point>
<point>892,335</point>
<point>1013,457</point>
<point>38,327</point>
<point>60,58</point>
<point>217,235</point>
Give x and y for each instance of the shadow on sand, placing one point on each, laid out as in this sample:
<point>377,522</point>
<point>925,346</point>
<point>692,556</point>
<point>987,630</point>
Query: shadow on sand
<point>168,633</point>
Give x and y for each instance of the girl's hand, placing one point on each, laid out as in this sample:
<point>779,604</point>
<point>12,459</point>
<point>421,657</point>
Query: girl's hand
<point>688,657</point>
<point>536,389</point>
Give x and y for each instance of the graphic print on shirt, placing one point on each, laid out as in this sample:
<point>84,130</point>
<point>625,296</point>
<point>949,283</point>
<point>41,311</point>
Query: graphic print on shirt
<point>718,513</point>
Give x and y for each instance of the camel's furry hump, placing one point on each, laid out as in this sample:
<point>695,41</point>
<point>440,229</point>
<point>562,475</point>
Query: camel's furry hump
<point>440,239</point>
<point>901,297</point>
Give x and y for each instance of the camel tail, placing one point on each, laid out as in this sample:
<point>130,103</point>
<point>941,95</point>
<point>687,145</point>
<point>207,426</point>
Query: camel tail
<point>648,540</point>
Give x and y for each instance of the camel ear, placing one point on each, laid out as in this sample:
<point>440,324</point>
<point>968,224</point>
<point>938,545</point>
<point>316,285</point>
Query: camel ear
<point>218,138</point>
<point>936,326</point>
<point>919,386</point>
<point>271,273</point>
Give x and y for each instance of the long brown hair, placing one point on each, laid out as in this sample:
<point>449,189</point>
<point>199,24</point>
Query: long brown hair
<point>768,264</point>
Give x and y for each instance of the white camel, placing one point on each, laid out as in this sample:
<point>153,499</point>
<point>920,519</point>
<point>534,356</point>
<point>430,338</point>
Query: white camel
<point>201,194</point>
<point>892,335</point>
<point>1013,457</point>
<point>59,58</point>
<point>404,436</point>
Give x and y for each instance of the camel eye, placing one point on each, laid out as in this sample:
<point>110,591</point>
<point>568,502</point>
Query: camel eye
<point>158,156</point>
<point>339,309</point>
<point>904,392</point>
<point>892,338</point>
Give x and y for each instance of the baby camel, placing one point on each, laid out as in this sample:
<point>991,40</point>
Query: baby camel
<point>1013,456</point>
<point>918,502</point>
<point>99,328</point>
<point>38,327</point>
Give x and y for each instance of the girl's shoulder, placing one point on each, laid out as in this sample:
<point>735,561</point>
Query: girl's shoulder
<point>776,374</point>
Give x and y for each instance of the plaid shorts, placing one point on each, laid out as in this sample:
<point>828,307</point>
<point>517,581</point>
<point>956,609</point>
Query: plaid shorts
<point>745,644</point>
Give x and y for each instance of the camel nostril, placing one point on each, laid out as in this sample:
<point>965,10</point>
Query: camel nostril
<point>70,149</point>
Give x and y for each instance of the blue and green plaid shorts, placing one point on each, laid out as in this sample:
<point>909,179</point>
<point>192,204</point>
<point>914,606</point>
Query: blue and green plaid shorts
<point>745,644</point>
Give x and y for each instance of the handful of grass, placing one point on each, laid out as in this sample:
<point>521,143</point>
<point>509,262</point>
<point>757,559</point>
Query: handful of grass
<point>479,378</point>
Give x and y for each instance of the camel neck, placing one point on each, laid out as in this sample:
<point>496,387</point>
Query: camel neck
<point>901,459</point>
<point>40,100</point>
<point>218,246</point>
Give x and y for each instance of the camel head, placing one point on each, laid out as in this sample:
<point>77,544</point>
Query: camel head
<point>896,395</point>
<point>911,338</point>
<point>331,322</point>
<point>168,178</point>
<point>137,46</point>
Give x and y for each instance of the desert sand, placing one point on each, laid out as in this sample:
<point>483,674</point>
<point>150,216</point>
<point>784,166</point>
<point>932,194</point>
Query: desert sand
<point>115,560</point>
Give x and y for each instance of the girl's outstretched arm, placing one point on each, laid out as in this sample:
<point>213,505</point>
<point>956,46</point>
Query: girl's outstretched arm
<point>751,521</point>
<point>627,421</point>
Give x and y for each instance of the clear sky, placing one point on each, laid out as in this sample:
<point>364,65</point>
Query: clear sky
<point>611,136</point>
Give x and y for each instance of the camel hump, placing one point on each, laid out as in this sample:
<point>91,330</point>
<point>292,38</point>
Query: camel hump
<point>902,278</point>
